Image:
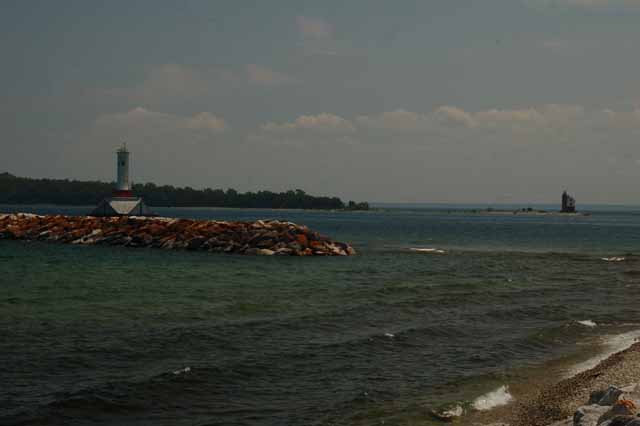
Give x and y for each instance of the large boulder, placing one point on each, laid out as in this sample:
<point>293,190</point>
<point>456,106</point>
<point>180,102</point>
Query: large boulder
<point>589,415</point>
<point>622,421</point>
<point>623,407</point>
<point>605,397</point>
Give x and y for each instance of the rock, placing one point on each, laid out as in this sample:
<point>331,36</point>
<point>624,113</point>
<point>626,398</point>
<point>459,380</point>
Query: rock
<point>258,238</point>
<point>588,415</point>
<point>622,421</point>
<point>605,397</point>
<point>596,396</point>
<point>195,243</point>
<point>623,407</point>
<point>566,422</point>
<point>284,251</point>
<point>630,388</point>
<point>448,412</point>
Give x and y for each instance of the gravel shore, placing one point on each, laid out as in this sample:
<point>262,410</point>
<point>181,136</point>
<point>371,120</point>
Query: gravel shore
<point>559,401</point>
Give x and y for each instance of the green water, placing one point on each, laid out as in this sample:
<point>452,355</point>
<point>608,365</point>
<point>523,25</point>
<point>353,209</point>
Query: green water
<point>104,335</point>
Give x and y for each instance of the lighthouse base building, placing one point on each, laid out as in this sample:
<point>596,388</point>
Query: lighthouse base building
<point>120,206</point>
<point>123,202</point>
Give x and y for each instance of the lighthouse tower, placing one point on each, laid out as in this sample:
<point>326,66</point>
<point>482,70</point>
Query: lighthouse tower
<point>123,188</point>
<point>123,202</point>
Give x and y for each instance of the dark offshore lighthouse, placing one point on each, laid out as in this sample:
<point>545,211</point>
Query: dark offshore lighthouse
<point>568,203</point>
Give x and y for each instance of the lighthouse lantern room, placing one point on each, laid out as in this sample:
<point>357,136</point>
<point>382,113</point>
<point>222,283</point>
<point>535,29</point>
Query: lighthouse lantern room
<point>123,202</point>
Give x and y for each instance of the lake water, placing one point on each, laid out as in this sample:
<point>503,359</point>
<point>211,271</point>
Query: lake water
<point>119,336</point>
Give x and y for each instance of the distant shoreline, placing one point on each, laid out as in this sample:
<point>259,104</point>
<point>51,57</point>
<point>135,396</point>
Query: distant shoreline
<point>490,212</point>
<point>25,191</point>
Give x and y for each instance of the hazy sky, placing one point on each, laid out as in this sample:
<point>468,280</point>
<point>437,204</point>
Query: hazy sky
<point>413,101</point>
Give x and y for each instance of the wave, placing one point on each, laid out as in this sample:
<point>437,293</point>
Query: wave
<point>182,371</point>
<point>495,398</point>
<point>587,323</point>
<point>611,345</point>
<point>614,259</point>
<point>431,250</point>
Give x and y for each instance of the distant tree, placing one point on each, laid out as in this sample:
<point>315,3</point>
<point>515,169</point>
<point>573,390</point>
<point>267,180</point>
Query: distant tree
<point>20,190</point>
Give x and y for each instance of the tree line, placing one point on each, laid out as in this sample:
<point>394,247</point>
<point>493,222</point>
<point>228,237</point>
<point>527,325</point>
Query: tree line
<point>21,190</point>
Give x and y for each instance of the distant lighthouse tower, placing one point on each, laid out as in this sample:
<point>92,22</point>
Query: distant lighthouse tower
<point>123,187</point>
<point>123,202</point>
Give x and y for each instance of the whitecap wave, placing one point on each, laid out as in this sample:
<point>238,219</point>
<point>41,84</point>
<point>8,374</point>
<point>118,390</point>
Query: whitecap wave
<point>182,371</point>
<point>587,323</point>
<point>612,345</point>
<point>614,259</point>
<point>428,250</point>
<point>495,398</point>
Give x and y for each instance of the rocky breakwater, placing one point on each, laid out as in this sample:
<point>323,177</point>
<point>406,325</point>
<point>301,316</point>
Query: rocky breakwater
<point>251,238</point>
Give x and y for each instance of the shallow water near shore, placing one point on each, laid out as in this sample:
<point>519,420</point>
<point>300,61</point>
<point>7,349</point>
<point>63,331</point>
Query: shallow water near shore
<point>436,308</point>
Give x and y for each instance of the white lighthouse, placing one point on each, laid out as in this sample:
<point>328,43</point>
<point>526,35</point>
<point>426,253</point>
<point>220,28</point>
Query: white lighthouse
<point>123,169</point>
<point>123,202</point>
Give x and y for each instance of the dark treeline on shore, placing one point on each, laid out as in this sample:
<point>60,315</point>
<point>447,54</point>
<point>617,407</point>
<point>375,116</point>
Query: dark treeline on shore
<point>20,190</point>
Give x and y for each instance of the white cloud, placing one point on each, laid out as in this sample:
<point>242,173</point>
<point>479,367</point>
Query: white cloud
<point>593,4</point>
<point>600,3</point>
<point>206,121</point>
<point>171,84</point>
<point>151,121</point>
<point>545,118</point>
<point>313,27</point>
<point>623,119</point>
<point>399,119</point>
<point>323,122</point>
<point>263,76</point>
<point>167,82</point>
<point>453,116</point>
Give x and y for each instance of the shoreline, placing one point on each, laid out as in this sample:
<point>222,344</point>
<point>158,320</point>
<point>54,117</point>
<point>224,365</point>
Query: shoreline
<point>542,401</point>
<point>559,401</point>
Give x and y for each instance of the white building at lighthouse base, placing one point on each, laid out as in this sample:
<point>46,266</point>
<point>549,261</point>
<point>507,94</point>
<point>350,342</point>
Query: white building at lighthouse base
<point>122,206</point>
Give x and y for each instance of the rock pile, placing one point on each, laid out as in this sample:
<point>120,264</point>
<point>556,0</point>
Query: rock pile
<point>252,238</point>
<point>608,407</point>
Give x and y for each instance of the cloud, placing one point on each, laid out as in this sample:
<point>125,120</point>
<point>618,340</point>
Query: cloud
<point>399,119</point>
<point>167,82</point>
<point>206,121</point>
<point>314,28</point>
<point>263,76</point>
<point>535,124</point>
<point>142,119</point>
<point>173,84</point>
<point>601,3</point>
<point>592,4</point>
<point>557,46</point>
<point>622,119</point>
<point>323,122</point>
<point>454,117</point>
<point>317,38</point>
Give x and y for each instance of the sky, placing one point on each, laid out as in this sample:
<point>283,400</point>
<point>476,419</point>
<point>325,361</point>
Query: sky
<point>476,101</point>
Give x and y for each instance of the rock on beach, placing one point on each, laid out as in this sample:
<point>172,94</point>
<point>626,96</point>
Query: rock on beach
<point>262,237</point>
